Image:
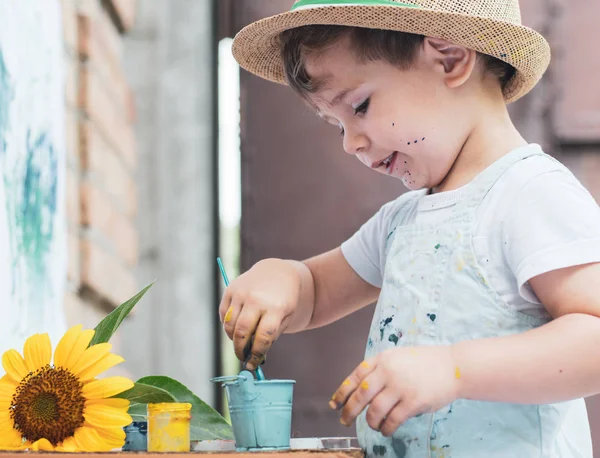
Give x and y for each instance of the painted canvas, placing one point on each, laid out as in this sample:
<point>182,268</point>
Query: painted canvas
<point>32,171</point>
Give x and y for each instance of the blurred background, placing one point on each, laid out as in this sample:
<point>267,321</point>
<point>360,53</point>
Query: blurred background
<point>131,138</point>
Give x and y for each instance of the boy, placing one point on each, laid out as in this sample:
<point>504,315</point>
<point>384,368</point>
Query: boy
<point>485,275</point>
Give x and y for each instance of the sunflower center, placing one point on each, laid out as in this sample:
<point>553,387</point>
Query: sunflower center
<point>48,404</point>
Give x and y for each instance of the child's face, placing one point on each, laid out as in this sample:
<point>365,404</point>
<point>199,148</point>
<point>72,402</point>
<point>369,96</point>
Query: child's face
<point>402,123</point>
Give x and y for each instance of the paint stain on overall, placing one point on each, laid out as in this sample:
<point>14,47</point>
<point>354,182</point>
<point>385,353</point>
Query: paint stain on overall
<point>379,450</point>
<point>460,263</point>
<point>399,447</point>
<point>383,324</point>
<point>395,337</point>
<point>432,316</point>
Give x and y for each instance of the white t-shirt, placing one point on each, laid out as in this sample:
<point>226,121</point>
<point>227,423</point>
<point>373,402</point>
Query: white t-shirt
<point>536,218</point>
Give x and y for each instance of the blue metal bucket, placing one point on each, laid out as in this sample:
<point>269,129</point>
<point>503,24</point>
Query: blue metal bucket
<point>260,410</point>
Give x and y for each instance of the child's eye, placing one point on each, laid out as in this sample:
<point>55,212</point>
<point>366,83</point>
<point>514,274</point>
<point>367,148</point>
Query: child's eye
<point>363,107</point>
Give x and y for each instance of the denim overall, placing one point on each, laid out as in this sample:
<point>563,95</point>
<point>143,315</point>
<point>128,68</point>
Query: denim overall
<point>435,293</point>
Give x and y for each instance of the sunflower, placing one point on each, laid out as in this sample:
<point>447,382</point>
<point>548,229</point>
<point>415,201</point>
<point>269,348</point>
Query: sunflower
<point>62,406</point>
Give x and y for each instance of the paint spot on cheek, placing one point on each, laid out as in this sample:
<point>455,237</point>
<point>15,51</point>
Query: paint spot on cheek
<point>457,373</point>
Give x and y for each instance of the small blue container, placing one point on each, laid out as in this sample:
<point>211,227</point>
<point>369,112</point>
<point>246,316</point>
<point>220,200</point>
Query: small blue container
<point>136,437</point>
<point>260,410</point>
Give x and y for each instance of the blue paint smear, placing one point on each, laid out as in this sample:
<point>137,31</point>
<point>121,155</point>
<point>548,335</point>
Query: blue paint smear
<point>31,207</point>
<point>37,203</point>
<point>6,97</point>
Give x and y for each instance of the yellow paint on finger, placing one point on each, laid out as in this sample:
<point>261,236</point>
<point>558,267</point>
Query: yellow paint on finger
<point>346,382</point>
<point>457,372</point>
<point>413,352</point>
<point>364,385</point>
<point>365,365</point>
<point>228,315</point>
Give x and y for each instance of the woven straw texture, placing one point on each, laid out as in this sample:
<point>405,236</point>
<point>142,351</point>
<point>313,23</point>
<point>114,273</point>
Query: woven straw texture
<point>489,26</point>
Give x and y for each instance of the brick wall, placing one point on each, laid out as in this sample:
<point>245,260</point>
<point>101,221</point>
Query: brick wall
<point>101,160</point>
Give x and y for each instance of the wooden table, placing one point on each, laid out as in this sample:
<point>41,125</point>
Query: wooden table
<point>341,453</point>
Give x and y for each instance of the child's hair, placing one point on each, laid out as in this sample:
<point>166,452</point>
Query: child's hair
<point>397,48</point>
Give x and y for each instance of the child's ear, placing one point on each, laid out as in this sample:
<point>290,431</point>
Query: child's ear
<point>454,61</point>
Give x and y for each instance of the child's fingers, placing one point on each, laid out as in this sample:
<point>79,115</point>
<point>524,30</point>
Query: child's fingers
<point>397,416</point>
<point>245,326</point>
<point>380,408</point>
<point>224,305</point>
<point>342,394</point>
<point>231,316</point>
<point>361,397</point>
<point>267,332</point>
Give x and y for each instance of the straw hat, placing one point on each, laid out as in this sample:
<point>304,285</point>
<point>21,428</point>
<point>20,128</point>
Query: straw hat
<point>489,26</point>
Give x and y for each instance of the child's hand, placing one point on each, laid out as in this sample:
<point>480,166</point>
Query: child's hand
<point>397,385</point>
<point>257,306</point>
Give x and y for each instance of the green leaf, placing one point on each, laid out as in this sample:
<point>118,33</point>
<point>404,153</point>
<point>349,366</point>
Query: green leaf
<point>146,394</point>
<point>206,423</point>
<point>138,412</point>
<point>111,322</point>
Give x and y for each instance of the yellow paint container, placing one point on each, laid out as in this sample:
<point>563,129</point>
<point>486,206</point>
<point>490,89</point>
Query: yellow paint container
<point>169,427</point>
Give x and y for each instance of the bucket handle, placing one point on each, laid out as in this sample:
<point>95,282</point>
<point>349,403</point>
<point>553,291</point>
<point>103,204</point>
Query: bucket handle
<point>225,378</point>
<point>258,373</point>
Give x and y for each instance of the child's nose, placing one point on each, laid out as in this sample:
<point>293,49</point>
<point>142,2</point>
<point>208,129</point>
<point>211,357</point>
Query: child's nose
<point>355,142</point>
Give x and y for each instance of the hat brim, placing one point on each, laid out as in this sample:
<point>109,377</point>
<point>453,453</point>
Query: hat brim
<point>257,49</point>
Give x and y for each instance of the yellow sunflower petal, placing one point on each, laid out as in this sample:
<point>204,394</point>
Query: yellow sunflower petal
<point>76,349</point>
<point>91,356</point>
<point>88,440</point>
<point>5,420</point>
<point>14,365</point>
<point>117,403</point>
<point>68,445</point>
<point>100,366</point>
<point>106,417</point>
<point>37,351</point>
<point>10,439</point>
<point>42,445</point>
<point>65,346</point>
<point>113,436</point>
<point>106,387</point>
<point>7,391</point>
<point>6,379</point>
